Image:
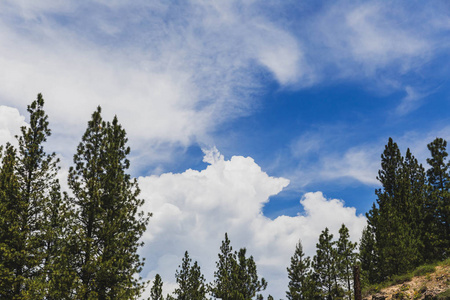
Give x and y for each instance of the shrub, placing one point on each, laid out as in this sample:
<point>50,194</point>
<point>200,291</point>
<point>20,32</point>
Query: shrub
<point>424,270</point>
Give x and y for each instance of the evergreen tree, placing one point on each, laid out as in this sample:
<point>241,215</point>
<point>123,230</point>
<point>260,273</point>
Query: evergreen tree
<point>346,258</point>
<point>156,290</point>
<point>325,266</point>
<point>300,285</point>
<point>108,224</point>
<point>190,280</point>
<point>368,255</point>
<point>414,209</point>
<point>223,283</point>
<point>236,276</point>
<point>245,277</point>
<point>396,245</point>
<point>39,200</point>
<point>12,237</point>
<point>438,206</point>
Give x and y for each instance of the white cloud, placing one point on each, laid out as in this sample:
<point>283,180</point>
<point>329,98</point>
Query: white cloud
<point>10,123</point>
<point>411,101</point>
<point>365,38</point>
<point>171,74</point>
<point>360,163</point>
<point>192,211</point>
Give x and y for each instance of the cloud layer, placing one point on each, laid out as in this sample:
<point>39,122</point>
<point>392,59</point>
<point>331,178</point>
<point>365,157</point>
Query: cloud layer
<point>175,72</point>
<point>192,211</point>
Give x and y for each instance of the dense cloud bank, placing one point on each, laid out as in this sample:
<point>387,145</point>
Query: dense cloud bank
<point>192,211</point>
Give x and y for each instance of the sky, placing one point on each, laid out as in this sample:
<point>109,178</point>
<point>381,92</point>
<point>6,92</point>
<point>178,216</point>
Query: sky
<point>262,119</point>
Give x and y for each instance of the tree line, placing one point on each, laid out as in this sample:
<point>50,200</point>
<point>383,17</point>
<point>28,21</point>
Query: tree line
<point>236,278</point>
<point>410,222</point>
<point>83,244</point>
<point>327,276</point>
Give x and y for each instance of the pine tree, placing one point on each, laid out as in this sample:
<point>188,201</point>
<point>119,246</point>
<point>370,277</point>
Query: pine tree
<point>12,237</point>
<point>157,289</point>
<point>236,276</point>
<point>108,225</point>
<point>368,255</point>
<point>415,190</point>
<point>396,244</point>
<point>190,280</point>
<point>48,212</point>
<point>38,199</point>
<point>299,276</point>
<point>399,220</point>
<point>324,264</point>
<point>223,283</point>
<point>346,258</point>
<point>438,206</point>
<point>245,276</point>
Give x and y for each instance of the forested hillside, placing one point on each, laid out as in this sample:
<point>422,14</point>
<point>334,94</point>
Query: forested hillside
<point>410,222</point>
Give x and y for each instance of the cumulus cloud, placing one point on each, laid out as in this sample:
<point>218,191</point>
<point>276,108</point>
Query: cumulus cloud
<point>192,211</point>
<point>10,123</point>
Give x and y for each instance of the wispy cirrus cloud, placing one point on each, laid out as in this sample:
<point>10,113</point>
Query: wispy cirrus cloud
<point>171,72</point>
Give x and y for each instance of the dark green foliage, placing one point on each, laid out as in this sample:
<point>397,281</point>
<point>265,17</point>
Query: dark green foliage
<point>394,236</point>
<point>346,259</point>
<point>424,270</point>
<point>37,216</point>
<point>12,238</point>
<point>223,283</point>
<point>438,206</point>
<point>368,256</point>
<point>410,223</point>
<point>190,280</point>
<point>414,185</point>
<point>325,267</point>
<point>156,290</point>
<point>301,286</point>
<point>329,275</point>
<point>398,244</point>
<point>236,276</point>
<point>108,225</point>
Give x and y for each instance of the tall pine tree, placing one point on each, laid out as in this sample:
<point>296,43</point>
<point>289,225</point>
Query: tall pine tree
<point>236,277</point>
<point>12,237</point>
<point>108,223</point>
<point>368,255</point>
<point>301,284</point>
<point>190,280</point>
<point>325,267</point>
<point>39,208</point>
<point>346,258</point>
<point>438,206</point>
<point>157,288</point>
<point>396,245</point>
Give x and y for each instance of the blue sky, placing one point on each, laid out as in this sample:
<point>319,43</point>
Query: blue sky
<point>263,119</point>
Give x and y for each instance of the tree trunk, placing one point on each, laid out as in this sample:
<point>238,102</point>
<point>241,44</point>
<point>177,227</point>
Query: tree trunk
<point>357,283</point>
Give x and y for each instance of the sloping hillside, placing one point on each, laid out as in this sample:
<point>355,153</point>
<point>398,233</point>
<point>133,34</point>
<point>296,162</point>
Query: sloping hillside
<point>429,286</point>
